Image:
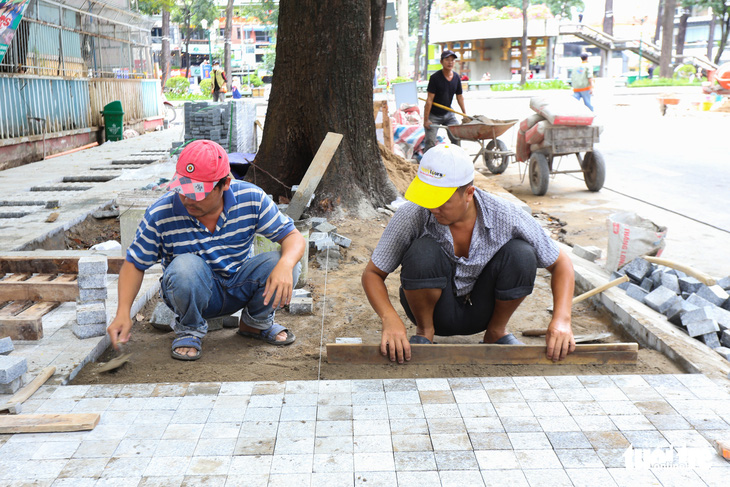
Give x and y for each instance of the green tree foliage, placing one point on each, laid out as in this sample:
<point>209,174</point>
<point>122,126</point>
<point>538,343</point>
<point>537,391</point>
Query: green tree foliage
<point>267,11</point>
<point>498,4</point>
<point>178,85</point>
<point>721,10</point>
<point>557,7</point>
<point>206,86</point>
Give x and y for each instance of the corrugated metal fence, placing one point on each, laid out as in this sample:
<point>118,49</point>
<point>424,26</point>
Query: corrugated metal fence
<point>33,105</point>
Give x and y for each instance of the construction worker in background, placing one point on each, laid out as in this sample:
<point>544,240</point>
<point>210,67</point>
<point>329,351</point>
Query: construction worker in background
<point>219,82</point>
<point>582,81</point>
<point>442,86</point>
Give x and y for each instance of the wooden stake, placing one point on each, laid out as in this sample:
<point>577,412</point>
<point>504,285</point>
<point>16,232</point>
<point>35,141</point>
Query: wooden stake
<point>13,404</point>
<point>48,423</point>
<point>455,354</point>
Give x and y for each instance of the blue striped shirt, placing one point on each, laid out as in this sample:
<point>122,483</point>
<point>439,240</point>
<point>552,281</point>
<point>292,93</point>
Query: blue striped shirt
<point>167,230</point>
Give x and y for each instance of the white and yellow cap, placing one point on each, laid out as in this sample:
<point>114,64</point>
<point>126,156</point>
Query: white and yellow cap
<point>443,169</point>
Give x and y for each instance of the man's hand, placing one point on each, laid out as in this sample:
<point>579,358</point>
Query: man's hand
<point>120,330</point>
<point>426,123</point>
<point>279,285</point>
<point>394,342</point>
<point>559,339</point>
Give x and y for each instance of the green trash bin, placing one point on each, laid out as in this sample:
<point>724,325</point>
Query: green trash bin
<point>113,121</point>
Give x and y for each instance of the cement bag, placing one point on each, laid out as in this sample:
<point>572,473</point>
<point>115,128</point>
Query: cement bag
<point>536,134</point>
<point>522,151</point>
<point>530,121</point>
<point>562,110</point>
<point>631,236</point>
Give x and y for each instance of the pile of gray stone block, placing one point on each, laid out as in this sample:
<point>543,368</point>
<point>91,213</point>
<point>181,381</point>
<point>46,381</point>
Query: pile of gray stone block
<point>325,242</point>
<point>702,311</point>
<point>12,369</point>
<point>91,317</point>
<point>212,121</point>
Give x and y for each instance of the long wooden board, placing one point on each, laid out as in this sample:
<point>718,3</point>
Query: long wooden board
<point>13,404</point>
<point>48,423</point>
<point>35,289</point>
<point>50,263</point>
<point>23,320</point>
<point>452,354</point>
<point>314,174</point>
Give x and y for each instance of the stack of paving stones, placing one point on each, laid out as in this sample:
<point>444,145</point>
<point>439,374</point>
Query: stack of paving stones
<point>702,311</point>
<point>11,373</point>
<point>91,318</point>
<point>326,242</point>
<point>212,121</point>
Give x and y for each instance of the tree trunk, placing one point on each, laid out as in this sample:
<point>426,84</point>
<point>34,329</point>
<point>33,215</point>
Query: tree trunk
<point>524,61</point>
<point>227,45</point>
<point>681,32</point>
<point>165,52</point>
<point>711,37</point>
<point>426,38</point>
<point>322,83</point>
<point>724,29</point>
<point>419,43</point>
<point>608,18</point>
<point>377,26</point>
<point>665,60</point>
<point>659,17</point>
<point>403,48</point>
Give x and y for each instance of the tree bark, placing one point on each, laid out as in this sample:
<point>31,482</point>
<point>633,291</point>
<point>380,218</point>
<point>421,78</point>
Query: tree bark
<point>227,45</point>
<point>724,30</point>
<point>659,17</point>
<point>165,52</point>
<point>419,43</point>
<point>322,82</point>
<point>682,32</point>
<point>524,61</point>
<point>403,48</point>
<point>711,37</point>
<point>426,38</point>
<point>377,25</point>
<point>665,60</point>
<point>608,18</point>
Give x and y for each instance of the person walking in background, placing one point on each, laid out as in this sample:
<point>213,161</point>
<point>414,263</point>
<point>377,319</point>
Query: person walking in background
<point>442,86</point>
<point>582,81</point>
<point>219,82</point>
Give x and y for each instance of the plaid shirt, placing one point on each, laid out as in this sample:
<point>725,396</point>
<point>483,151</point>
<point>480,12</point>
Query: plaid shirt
<point>498,222</point>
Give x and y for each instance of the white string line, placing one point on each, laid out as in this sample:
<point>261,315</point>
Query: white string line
<point>324,307</point>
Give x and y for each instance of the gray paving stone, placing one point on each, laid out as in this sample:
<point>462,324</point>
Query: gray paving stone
<point>590,253</point>
<point>647,284</point>
<point>91,313</point>
<point>579,458</point>
<point>671,282</point>
<point>568,439</point>
<point>637,269</point>
<point>341,240</point>
<point>6,346</point>
<point>610,440</point>
<point>88,331</point>
<point>710,339</point>
<point>661,299</point>
<point>12,368</point>
<point>714,294</point>
<point>92,265</point>
<point>725,338</point>
<point>702,327</point>
<point>324,227</point>
<point>92,294</point>
<point>301,305</point>
<point>456,460</point>
<point>93,281</point>
<point>636,292</point>
<point>689,284</point>
<point>675,312</point>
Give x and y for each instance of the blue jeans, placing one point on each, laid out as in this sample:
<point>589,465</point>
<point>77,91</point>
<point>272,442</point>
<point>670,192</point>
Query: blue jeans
<point>585,96</point>
<point>194,292</point>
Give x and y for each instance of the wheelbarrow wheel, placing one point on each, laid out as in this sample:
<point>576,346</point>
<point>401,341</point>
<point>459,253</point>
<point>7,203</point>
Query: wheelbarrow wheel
<point>594,170</point>
<point>496,164</point>
<point>539,174</point>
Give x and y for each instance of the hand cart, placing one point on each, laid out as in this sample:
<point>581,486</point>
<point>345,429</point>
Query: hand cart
<point>480,129</point>
<point>561,141</point>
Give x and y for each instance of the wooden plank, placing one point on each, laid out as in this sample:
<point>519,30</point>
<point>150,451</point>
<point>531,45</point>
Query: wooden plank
<point>453,354</point>
<point>314,174</point>
<point>23,320</point>
<point>21,262</point>
<point>48,423</point>
<point>39,291</point>
<point>12,406</point>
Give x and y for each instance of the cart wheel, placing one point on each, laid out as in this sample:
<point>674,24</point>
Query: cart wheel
<point>539,174</point>
<point>594,170</point>
<point>663,108</point>
<point>496,164</point>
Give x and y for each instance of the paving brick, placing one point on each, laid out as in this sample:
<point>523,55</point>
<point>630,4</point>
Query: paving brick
<point>162,315</point>
<point>714,294</point>
<point>647,284</point>
<point>92,281</point>
<point>661,299</point>
<point>325,227</point>
<point>91,313</point>
<point>316,220</point>
<point>623,285</point>
<point>93,294</point>
<point>329,259</point>
<point>636,292</point>
<point>6,346</point>
<point>699,314</point>
<point>679,308</point>
<point>301,293</point>
<point>724,283</point>
<point>671,282</point>
<point>725,338</point>
<point>11,387</point>
<point>11,368</point>
<point>325,244</point>
<point>689,284</point>
<point>340,240</point>
<point>726,305</point>
<point>724,352</point>
<point>315,237</point>
<point>92,265</point>
<point>88,331</point>
<point>638,269</point>
<point>301,306</point>
<point>590,253</point>
<point>710,339</point>
<point>697,328</point>
<point>698,301</point>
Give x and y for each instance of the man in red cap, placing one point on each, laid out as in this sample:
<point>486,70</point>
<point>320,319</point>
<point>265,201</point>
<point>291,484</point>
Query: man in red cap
<point>202,231</point>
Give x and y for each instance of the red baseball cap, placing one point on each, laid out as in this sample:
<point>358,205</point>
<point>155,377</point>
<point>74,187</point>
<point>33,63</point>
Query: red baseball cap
<point>200,166</point>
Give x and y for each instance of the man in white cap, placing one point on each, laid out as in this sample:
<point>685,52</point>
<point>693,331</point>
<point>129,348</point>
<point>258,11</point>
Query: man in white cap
<point>443,85</point>
<point>468,259</point>
<point>202,232</point>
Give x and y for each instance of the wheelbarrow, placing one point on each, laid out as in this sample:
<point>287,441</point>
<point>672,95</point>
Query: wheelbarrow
<point>480,129</point>
<point>566,140</point>
<point>667,100</point>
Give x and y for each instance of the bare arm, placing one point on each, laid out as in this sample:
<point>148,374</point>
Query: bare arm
<point>559,338</point>
<point>394,340</point>
<point>427,110</point>
<point>280,283</point>
<point>130,280</point>
<point>460,101</point>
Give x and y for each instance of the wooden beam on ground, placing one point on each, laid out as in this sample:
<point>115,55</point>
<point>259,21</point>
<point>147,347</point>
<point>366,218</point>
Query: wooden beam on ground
<point>13,404</point>
<point>314,174</point>
<point>50,263</point>
<point>39,288</point>
<point>48,423</point>
<point>23,320</point>
<point>457,354</point>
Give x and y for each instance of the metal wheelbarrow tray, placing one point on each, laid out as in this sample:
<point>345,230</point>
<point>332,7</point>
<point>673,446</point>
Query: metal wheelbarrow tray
<point>495,153</point>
